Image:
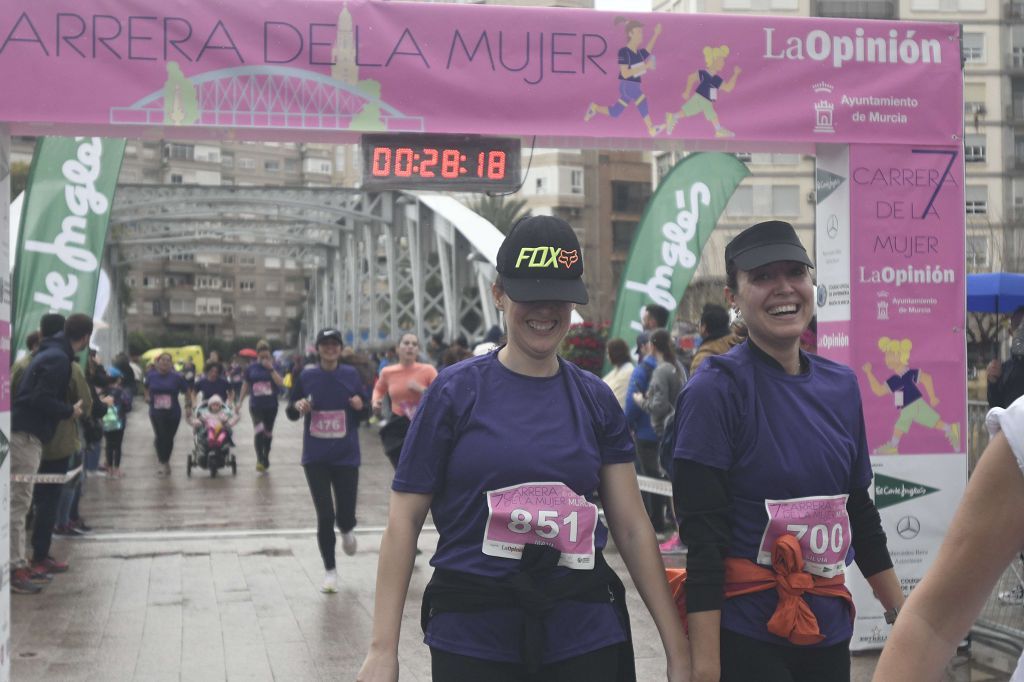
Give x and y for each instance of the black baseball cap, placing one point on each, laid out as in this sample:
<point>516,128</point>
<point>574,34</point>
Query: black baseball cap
<point>541,260</point>
<point>327,334</point>
<point>767,242</point>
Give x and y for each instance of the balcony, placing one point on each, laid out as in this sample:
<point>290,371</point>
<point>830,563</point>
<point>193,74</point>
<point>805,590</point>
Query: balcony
<point>1013,11</point>
<point>1015,112</point>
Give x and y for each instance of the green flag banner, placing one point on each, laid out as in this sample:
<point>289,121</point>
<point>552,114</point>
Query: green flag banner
<point>63,229</point>
<point>675,227</point>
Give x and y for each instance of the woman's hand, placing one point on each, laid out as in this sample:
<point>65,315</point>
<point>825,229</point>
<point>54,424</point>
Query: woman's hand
<point>303,406</point>
<point>356,402</point>
<point>378,667</point>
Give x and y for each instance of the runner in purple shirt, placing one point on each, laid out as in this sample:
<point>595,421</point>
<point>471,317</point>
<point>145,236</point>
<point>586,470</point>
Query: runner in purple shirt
<point>770,481</point>
<point>262,382</point>
<point>330,396</point>
<point>163,385</point>
<point>507,451</point>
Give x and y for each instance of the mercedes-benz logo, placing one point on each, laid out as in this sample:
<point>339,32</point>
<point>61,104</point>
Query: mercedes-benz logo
<point>908,527</point>
<point>832,226</point>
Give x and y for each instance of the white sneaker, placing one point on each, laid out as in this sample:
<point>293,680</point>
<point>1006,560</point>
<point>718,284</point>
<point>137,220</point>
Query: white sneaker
<point>348,542</point>
<point>330,584</point>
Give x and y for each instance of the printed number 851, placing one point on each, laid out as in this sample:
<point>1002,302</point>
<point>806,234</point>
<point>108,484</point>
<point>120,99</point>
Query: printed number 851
<point>547,524</point>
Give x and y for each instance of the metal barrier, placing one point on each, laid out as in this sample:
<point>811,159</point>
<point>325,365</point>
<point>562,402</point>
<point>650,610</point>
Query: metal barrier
<point>1001,623</point>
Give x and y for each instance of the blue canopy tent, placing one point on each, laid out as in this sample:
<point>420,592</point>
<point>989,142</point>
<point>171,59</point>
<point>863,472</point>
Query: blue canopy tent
<point>995,292</point>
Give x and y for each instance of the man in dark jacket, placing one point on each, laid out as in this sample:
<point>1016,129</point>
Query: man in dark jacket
<point>1006,379</point>
<point>38,405</point>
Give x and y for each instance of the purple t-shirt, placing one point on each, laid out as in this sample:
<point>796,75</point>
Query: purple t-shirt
<point>629,58</point>
<point>779,437</point>
<point>164,390</point>
<point>211,388</point>
<point>707,82</point>
<point>481,427</point>
<point>330,434</point>
<point>262,389</point>
<point>906,383</point>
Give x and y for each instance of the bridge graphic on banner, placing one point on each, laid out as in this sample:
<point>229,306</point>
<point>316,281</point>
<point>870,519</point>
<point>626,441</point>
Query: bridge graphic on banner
<point>266,97</point>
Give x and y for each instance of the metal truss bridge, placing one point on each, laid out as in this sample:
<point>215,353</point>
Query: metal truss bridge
<point>269,97</point>
<point>380,263</point>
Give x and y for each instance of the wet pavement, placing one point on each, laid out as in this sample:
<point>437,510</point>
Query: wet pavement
<point>200,578</point>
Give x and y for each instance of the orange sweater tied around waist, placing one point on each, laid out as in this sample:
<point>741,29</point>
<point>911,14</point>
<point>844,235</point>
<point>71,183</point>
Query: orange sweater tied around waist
<point>793,618</point>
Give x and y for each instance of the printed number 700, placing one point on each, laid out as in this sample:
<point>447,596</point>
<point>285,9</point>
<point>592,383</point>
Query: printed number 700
<point>820,536</point>
<point>546,520</point>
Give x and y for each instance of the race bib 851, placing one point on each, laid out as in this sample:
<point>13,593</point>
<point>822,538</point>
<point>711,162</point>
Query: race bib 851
<point>550,514</point>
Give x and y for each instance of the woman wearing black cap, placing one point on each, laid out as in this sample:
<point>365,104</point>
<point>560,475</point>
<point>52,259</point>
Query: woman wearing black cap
<point>771,484</point>
<point>330,396</point>
<point>506,451</point>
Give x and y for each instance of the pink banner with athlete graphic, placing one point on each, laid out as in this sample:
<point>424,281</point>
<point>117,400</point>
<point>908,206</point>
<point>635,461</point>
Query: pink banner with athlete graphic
<point>178,68</point>
<point>908,293</point>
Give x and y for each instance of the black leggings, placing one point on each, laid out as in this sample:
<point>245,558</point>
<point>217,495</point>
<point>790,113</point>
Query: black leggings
<point>594,666</point>
<point>746,658</point>
<point>47,499</point>
<point>266,416</point>
<point>114,440</point>
<point>340,509</point>
<point>165,426</point>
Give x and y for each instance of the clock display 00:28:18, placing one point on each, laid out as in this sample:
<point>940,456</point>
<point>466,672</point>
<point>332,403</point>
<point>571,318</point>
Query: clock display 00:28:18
<point>431,162</point>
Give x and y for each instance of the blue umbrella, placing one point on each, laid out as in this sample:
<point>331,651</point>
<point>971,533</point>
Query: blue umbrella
<point>995,292</point>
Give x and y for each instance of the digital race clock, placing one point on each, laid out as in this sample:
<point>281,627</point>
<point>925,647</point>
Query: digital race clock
<point>456,163</point>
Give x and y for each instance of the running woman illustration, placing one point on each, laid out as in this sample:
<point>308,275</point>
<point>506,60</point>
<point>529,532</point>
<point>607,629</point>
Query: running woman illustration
<point>903,384</point>
<point>634,61</point>
<point>708,82</point>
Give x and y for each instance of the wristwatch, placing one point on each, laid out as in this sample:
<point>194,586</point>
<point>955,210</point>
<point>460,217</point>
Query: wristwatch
<point>890,615</point>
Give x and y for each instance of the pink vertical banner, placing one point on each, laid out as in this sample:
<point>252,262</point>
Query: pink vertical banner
<point>908,296</point>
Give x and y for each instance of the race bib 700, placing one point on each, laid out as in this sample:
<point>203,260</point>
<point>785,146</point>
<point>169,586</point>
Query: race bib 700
<point>550,514</point>
<point>821,526</point>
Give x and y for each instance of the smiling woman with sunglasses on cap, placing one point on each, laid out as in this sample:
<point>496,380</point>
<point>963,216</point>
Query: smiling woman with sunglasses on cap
<point>771,484</point>
<point>507,451</point>
<point>330,396</point>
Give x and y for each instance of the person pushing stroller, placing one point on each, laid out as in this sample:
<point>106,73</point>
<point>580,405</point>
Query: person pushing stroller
<point>212,423</point>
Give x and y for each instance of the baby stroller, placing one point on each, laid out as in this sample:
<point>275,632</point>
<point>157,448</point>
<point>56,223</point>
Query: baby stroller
<point>212,439</point>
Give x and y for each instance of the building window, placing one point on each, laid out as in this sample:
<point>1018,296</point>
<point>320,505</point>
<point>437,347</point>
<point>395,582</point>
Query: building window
<point>630,197</point>
<point>289,286</point>
<point>974,148</point>
<point>246,285</point>
<point>273,286</point>
<point>247,164</point>
<point>745,157</point>
<point>576,181</point>
<point>273,311</point>
<point>184,257</point>
<point>247,310</point>
<point>157,308</point>
<point>177,179</point>
<point>974,48</point>
<point>247,260</point>
<point>541,185</point>
<point>663,164</point>
<point>227,309</point>
<point>227,160</point>
<point>180,152</point>
<point>977,199</point>
<point>180,307</point>
<point>271,165</point>
<point>741,204</point>
<point>273,263</point>
<point>977,253</point>
<point>150,282</point>
<point>228,260</point>
<point>622,234</point>
<point>974,98</point>
<point>290,311</point>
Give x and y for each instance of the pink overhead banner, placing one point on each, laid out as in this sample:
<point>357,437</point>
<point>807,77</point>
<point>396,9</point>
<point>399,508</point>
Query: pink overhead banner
<point>328,69</point>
